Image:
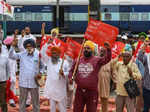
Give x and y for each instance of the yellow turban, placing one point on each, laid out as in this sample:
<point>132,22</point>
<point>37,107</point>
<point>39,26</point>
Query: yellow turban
<point>55,30</point>
<point>90,44</point>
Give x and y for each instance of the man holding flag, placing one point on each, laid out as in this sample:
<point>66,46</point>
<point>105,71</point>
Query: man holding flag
<point>55,88</point>
<point>87,77</point>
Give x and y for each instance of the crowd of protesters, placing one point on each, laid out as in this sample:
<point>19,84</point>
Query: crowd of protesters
<point>93,76</point>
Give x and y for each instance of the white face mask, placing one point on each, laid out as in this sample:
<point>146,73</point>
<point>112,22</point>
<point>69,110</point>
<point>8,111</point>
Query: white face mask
<point>30,51</point>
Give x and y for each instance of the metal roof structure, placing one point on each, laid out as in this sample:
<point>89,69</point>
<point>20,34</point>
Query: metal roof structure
<point>77,2</point>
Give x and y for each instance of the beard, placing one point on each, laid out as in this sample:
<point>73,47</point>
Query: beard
<point>87,54</point>
<point>30,51</point>
<point>55,59</point>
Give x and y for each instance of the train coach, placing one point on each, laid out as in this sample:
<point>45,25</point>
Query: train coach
<point>127,15</point>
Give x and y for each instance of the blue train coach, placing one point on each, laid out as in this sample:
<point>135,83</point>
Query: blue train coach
<point>127,15</point>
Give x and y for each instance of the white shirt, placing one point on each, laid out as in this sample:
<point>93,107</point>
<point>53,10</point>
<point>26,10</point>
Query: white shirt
<point>4,68</point>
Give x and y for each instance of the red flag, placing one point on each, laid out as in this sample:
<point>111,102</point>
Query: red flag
<point>147,49</point>
<point>100,32</point>
<point>59,43</point>
<point>73,48</point>
<point>117,49</point>
<point>44,40</point>
<point>140,43</point>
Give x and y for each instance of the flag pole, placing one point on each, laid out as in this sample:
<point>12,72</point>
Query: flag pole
<point>4,24</point>
<point>78,59</point>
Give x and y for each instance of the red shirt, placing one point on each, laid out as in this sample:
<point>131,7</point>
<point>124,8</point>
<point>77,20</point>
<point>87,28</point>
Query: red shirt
<point>87,72</point>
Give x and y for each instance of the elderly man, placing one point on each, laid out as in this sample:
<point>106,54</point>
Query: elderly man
<point>29,68</point>
<point>55,88</point>
<point>87,78</point>
<point>25,35</point>
<point>4,75</point>
<point>124,71</point>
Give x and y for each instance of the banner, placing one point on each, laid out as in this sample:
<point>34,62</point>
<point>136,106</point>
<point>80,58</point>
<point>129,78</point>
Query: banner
<point>73,48</point>
<point>6,9</point>
<point>117,49</point>
<point>100,32</point>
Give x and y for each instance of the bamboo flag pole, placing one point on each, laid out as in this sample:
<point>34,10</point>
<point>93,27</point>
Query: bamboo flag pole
<point>78,59</point>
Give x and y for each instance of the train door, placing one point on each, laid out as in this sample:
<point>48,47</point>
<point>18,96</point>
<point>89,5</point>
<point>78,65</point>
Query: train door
<point>63,18</point>
<point>124,22</point>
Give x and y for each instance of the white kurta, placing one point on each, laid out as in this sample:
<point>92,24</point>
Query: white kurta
<point>55,87</point>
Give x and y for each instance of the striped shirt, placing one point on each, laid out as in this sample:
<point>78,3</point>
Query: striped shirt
<point>29,67</point>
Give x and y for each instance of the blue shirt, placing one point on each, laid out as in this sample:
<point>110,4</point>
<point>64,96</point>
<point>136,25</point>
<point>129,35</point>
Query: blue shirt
<point>29,67</point>
<point>140,66</point>
<point>146,78</point>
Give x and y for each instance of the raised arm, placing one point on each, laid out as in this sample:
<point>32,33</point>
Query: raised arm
<point>44,57</point>
<point>105,59</point>
<point>43,30</point>
<point>12,53</point>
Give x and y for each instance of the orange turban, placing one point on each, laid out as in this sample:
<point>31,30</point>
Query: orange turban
<point>51,49</point>
<point>56,49</point>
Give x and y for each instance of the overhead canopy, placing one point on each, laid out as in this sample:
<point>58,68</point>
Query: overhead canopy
<point>77,2</point>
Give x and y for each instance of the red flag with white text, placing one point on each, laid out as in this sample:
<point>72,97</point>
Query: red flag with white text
<point>100,32</point>
<point>73,48</point>
<point>44,40</point>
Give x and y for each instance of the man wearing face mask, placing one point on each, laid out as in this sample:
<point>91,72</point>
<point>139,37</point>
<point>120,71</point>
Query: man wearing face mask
<point>29,69</point>
<point>55,87</point>
<point>87,77</point>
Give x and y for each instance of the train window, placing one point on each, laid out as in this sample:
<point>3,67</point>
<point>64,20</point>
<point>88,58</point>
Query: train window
<point>47,16</point>
<point>8,18</point>
<point>124,16</point>
<point>105,9</point>
<point>79,16</point>
<point>108,16</point>
<point>28,16</point>
<point>144,16</point>
<point>66,16</point>
<point>134,17</point>
<point>38,17</point>
<point>18,16</point>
